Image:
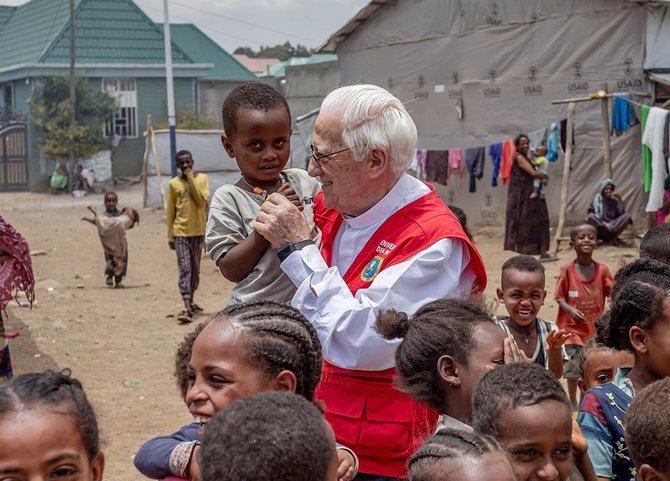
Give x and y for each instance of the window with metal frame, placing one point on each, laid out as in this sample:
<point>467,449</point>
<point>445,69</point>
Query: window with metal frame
<point>124,122</point>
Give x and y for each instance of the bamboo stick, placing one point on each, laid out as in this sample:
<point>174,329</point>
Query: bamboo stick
<point>607,149</point>
<point>567,159</point>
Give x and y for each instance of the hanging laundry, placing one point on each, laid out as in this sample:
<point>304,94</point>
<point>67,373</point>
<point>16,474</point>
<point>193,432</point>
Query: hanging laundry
<point>506,159</point>
<point>419,163</point>
<point>653,137</point>
<point>553,143</point>
<point>646,151</point>
<point>495,152</point>
<point>564,134</point>
<point>537,138</point>
<point>474,159</point>
<point>456,165</point>
<point>436,166</point>
<point>622,114</point>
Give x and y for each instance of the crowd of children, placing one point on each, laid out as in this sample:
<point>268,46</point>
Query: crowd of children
<point>248,375</point>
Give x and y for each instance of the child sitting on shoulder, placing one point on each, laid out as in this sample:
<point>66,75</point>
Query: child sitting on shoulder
<point>582,289</point>
<point>526,410</point>
<point>112,233</point>
<point>257,125</point>
<point>542,166</point>
<point>453,455</point>
<point>48,429</point>
<point>241,351</point>
<point>269,436</point>
<point>648,432</point>
<point>522,292</point>
<point>446,346</point>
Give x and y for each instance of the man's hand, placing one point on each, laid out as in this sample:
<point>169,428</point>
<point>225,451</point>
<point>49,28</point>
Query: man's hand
<point>512,351</point>
<point>577,315</point>
<point>346,467</point>
<point>171,244</point>
<point>281,222</point>
<point>556,339</point>
<point>187,171</point>
<point>193,464</point>
<point>288,192</point>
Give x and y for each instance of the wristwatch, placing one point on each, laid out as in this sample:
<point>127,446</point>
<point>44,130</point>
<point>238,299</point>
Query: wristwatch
<point>286,251</point>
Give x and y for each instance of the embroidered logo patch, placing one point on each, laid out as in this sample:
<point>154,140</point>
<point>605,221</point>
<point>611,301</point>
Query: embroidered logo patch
<point>372,269</point>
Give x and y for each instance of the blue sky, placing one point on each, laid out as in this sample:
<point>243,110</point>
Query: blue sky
<point>233,23</point>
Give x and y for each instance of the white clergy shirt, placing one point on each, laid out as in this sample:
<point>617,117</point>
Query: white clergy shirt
<point>345,323</point>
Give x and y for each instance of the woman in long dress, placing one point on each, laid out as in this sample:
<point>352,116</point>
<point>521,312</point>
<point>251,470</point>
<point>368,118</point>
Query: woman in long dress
<point>527,219</point>
<point>16,274</point>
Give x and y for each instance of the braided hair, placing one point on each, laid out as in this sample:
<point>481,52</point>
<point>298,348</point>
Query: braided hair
<point>449,445</point>
<point>442,327</point>
<point>656,243</point>
<point>637,300</point>
<point>275,335</point>
<point>50,388</point>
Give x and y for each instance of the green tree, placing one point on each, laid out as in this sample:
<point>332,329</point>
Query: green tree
<point>50,113</point>
<point>248,51</point>
<point>282,51</point>
<point>188,119</point>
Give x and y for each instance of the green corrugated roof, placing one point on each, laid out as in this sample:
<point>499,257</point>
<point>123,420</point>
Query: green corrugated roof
<point>108,32</point>
<point>113,31</point>
<point>5,13</point>
<point>203,49</point>
<point>31,30</point>
<point>279,69</point>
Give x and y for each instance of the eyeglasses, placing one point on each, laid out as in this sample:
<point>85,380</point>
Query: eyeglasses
<point>319,157</point>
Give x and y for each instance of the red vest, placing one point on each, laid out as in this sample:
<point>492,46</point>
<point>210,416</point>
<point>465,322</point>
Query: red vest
<point>381,424</point>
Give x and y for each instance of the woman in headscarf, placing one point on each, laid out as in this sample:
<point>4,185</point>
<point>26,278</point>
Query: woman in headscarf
<point>608,214</point>
<point>526,218</point>
<point>16,274</point>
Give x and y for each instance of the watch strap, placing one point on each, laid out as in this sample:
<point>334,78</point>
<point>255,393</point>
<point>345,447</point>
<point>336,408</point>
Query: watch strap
<point>286,251</point>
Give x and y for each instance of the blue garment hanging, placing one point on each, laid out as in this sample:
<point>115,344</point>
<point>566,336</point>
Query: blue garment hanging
<point>622,114</point>
<point>495,152</point>
<point>553,143</point>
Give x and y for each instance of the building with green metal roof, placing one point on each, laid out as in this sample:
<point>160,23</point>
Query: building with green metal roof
<point>120,49</point>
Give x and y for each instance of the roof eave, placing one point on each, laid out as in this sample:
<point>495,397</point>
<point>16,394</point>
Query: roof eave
<point>352,25</point>
<point>17,72</point>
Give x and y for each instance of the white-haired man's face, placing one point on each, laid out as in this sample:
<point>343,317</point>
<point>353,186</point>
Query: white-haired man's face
<point>349,186</point>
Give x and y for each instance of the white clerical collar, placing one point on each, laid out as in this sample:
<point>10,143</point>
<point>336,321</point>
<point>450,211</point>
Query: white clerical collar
<point>385,207</point>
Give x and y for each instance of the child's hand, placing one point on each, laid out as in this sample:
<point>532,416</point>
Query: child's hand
<point>556,339</point>
<point>512,351</point>
<point>577,315</point>
<point>579,444</point>
<point>193,465</point>
<point>346,469</point>
<point>288,192</point>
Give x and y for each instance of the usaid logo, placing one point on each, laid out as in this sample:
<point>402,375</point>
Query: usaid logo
<point>454,77</point>
<point>578,70</point>
<point>488,199</point>
<point>628,67</point>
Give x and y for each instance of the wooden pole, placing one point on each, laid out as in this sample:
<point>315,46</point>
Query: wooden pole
<point>73,83</point>
<point>145,162</point>
<point>607,152</point>
<point>567,159</point>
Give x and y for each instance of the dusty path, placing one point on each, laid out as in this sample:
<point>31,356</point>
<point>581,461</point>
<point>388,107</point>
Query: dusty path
<point>108,336</point>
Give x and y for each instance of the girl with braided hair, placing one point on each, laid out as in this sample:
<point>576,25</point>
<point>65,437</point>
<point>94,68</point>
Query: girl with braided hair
<point>638,321</point>
<point>446,346</point>
<point>454,455</point>
<point>48,430</point>
<point>243,350</point>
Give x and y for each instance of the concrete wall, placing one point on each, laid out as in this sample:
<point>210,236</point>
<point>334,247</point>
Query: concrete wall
<point>211,94</point>
<point>306,86</point>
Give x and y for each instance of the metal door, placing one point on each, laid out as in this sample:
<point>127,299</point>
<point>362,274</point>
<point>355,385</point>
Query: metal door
<point>14,158</point>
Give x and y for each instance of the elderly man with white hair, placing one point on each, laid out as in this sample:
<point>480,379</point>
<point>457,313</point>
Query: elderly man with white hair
<point>389,242</point>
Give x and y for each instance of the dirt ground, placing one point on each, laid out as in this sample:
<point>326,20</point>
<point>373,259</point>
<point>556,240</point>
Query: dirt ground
<point>120,342</point>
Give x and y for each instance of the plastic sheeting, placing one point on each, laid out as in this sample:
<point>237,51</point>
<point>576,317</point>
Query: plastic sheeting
<point>506,61</point>
<point>209,155</point>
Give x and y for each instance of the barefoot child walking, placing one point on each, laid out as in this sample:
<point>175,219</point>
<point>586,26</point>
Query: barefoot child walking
<point>257,124</point>
<point>112,232</point>
<point>582,288</point>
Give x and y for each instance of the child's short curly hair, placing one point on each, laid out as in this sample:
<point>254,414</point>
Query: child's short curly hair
<point>250,96</point>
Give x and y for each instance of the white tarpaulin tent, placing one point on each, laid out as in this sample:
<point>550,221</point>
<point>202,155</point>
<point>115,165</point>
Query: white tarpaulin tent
<point>504,62</point>
<point>209,155</point>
